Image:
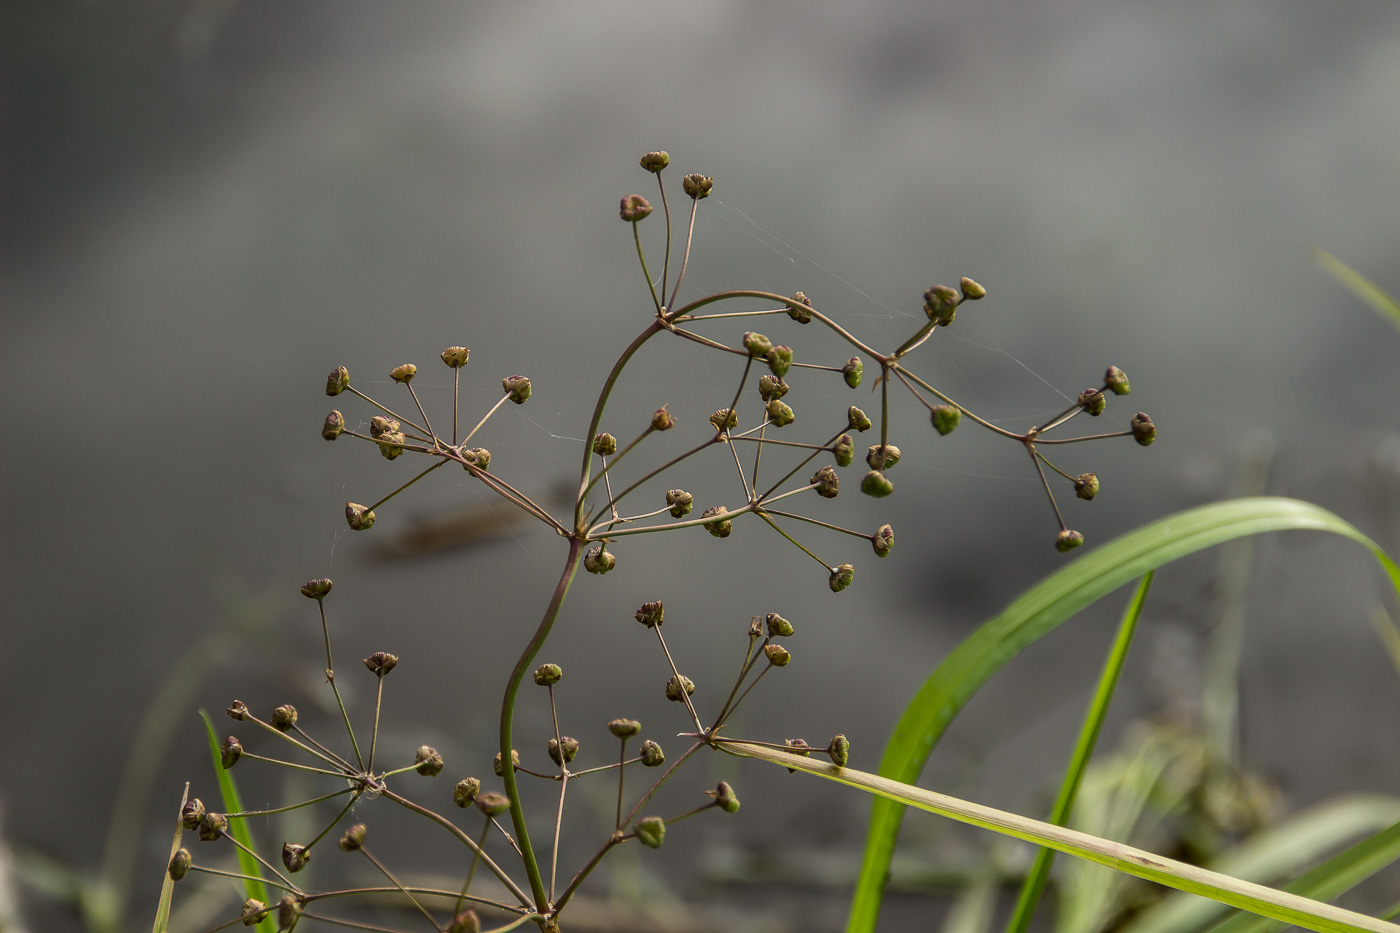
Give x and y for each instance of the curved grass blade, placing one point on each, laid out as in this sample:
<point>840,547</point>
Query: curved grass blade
<point>1246,895</point>
<point>1034,885</point>
<point>1360,286</point>
<point>1037,612</point>
<point>238,829</point>
<point>167,888</point>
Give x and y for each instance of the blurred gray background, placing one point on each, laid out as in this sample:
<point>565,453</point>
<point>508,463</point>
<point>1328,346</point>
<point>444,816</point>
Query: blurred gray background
<point>210,204</point>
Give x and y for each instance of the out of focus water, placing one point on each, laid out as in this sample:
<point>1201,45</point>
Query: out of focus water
<point>211,204</point>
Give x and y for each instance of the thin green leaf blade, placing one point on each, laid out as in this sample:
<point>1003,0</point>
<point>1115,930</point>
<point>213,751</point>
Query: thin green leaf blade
<point>167,887</point>
<point>1246,895</point>
<point>1360,286</point>
<point>238,829</point>
<point>1037,612</point>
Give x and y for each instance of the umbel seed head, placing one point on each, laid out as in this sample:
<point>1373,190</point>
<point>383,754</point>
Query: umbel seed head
<point>1144,431</point>
<point>858,420</point>
<point>826,482</point>
<point>191,813</point>
<point>605,445</point>
<point>478,457</point>
<point>845,450</point>
<point>379,426</point>
<point>284,717</point>
<point>800,315</point>
<point>456,357</point>
<point>771,387</point>
<point>338,381</point>
<point>654,162</point>
<point>680,502</point>
<point>381,663</point>
<point>946,419</point>
<point>875,484</point>
<point>882,456</point>
<point>651,614</point>
<point>652,755</point>
<point>1093,402</point>
<point>180,864</point>
<point>779,360</point>
<point>662,420</point>
<point>334,426</point>
<point>1086,486</point>
<point>316,589</point>
<point>624,728</point>
<point>1068,540</point>
<point>358,517</point>
<point>517,387</point>
<point>237,711</point>
<point>778,627</point>
<point>634,207</point>
<point>428,760</point>
<point>230,752</point>
<point>852,371</point>
<point>777,655</point>
<point>724,419</point>
<point>599,560</point>
<point>841,577</point>
<point>941,305</point>
<point>697,186</point>
<point>403,373</point>
<point>547,675</point>
<point>465,791</point>
<point>679,687</point>
<point>971,290</point>
<point>721,527</point>
<point>212,826</point>
<point>725,798</point>
<point>562,750</point>
<point>840,749</point>
<point>757,344</point>
<point>1116,381</point>
<point>780,413</point>
<point>651,832</point>
<point>294,857</point>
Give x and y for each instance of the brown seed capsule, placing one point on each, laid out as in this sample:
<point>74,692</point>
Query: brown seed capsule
<point>798,747</point>
<point>679,687</point>
<point>1093,402</point>
<point>428,760</point>
<point>725,798</point>
<point>651,832</point>
<point>780,414</point>
<point>316,589</point>
<point>777,655</point>
<point>852,371</point>
<point>565,746</point>
<point>941,305</point>
<point>721,527</point>
<point>826,482</point>
<point>724,419</point>
<point>252,912</point>
<point>294,857</point>
<point>381,663</point>
<point>875,484</point>
<point>633,208</point>
<point>841,577</point>
<point>517,387</point>
<point>514,762</point>
<point>883,540</point>
<point>237,711</point>
<point>882,456</point>
<point>358,517</point>
<point>478,457</point>
<point>191,813</point>
<point>493,803</point>
<point>662,420</point>
<point>180,864</point>
<point>212,826</point>
<point>380,426</point>
<point>624,728</point>
<point>697,186</point>
<point>466,791</point>
<point>334,426</point>
<point>1086,486</point>
<point>338,381</point>
<point>800,315</point>
<point>456,357</point>
<point>858,420</point>
<point>354,838</point>
<point>771,387</point>
<point>284,717</point>
<point>288,911</point>
<point>651,754</point>
<point>651,614</point>
<point>654,162</point>
<point>1068,540</point>
<point>1144,431</point>
<point>604,445</point>
<point>547,675</point>
<point>599,560</point>
<point>230,752</point>
<point>777,626</point>
<point>465,922</point>
<point>1117,381</point>
<point>391,445</point>
<point>404,373</point>
<point>680,502</point>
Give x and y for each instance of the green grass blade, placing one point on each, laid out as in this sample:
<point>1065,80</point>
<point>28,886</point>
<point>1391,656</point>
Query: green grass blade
<point>167,888</point>
<point>238,829</point>
<point>1034,885</point>
<point>1037,612</point>
<point>1246,895</point>
<point>1274,854</point>
<point>1336,875</point>
<point>1359,286</point>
